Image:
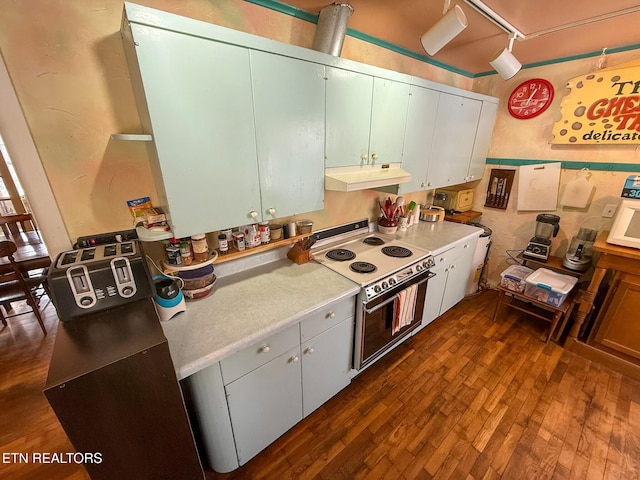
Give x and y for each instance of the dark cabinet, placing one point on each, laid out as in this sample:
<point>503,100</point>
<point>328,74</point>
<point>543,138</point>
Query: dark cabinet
<point>619,328</point>
<point>113,387</point>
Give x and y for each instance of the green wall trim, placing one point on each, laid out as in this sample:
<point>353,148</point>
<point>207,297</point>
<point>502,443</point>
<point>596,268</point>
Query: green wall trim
<point>603,166</point>
<point>312,18</point>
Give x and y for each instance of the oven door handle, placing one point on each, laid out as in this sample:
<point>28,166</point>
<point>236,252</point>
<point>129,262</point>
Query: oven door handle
<point>369,311</point>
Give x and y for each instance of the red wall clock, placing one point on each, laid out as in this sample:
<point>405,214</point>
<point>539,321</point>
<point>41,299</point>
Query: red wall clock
<point>530,98</point>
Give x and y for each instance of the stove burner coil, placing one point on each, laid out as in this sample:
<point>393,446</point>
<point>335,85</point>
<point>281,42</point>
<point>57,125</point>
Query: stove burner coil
<point>397,251</point>
<point>373,241</point>
<point>340,255</point>
<point>363,267</point>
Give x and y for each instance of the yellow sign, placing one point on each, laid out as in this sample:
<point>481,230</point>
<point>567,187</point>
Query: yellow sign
<point>603,108</point>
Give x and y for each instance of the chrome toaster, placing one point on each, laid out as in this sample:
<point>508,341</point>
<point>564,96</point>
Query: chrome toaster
<point>97,278</point>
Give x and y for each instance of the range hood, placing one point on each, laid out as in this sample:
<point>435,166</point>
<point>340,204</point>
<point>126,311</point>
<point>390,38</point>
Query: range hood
<point>349,179</point>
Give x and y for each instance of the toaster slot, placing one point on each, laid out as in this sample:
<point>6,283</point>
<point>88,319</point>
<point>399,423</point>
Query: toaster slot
<point>69,257</point>
<point>88,254</point>
<point>110,250</point>
<point>126,248</point>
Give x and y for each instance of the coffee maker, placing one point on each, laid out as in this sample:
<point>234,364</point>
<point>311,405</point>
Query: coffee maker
<point>580,251</point>
<point>547,226</point>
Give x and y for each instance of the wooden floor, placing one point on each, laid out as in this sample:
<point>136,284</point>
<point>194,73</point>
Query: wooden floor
<point>465,398</point>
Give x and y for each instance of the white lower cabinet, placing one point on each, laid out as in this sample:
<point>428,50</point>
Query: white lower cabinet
<point>449,285</point>
<point>265,403</point>
<point>326,363</point>
<point>248,400</point>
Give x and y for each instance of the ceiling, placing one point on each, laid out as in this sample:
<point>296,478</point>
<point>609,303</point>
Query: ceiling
<point>402,23</point>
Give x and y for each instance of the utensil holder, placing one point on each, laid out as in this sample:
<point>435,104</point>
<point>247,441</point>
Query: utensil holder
<point>297,254</point>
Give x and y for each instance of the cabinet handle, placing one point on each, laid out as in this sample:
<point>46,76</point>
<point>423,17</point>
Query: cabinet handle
<point>309,350</point>
<point>264,349</point>
<point>442,259</point>
<point>423,184</point>
<point>330,315</point>
<point>374,157</point>
<point>428,184</point>
<point>364,158</point>
<point>294,359</point>
<point>253,214</point>
<point>466,245</point>
<point>272,211</point>
<point>452,267</point>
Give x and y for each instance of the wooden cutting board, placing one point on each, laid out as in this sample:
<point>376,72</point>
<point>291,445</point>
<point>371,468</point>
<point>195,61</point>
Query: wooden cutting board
<point>538,186</point>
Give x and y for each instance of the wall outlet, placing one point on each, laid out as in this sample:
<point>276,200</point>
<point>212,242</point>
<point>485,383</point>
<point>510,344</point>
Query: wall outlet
<point>609,210</point>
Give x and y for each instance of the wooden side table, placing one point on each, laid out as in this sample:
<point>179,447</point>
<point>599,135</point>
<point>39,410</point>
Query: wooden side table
<point>535,308</point>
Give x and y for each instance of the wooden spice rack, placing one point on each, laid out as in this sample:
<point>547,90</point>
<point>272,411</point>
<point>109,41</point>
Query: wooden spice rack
<point>234,254</point>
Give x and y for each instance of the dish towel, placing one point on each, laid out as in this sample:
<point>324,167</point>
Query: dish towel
<point>404,308</point>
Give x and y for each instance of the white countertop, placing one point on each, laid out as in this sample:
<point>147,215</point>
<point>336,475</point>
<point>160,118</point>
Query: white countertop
<point>249,306</point>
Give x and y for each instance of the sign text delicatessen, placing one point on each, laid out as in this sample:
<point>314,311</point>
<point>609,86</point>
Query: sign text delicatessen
<point>603,108</point>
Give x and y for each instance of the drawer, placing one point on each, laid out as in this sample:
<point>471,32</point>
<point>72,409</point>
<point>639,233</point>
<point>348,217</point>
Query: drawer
<point>451,255</point>
<point>252,357</point>
<point>326,317</point>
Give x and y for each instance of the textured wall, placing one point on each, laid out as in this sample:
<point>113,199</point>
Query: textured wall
<point>529,139</point>
<point>67,64</point>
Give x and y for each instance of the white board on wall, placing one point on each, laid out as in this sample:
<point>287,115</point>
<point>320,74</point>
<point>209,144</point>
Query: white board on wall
<point>538,186</point>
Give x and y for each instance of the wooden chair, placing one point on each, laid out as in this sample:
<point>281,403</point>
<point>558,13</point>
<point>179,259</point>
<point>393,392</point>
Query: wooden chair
<point>16,223</point>
<point>14,286</point>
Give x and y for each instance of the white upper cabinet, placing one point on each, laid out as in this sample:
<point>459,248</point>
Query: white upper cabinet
<point>348,123</point>
<point>388,121</point>
<point>421,119</point>
<point>365,119</point>
<point>201,118</point>
<point>483,140</point>
<point>289,96</point>
<point>453,140</point>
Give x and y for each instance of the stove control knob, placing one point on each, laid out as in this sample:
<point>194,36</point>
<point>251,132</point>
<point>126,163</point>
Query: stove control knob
<point>430,262</point>
<point>392,281</point>
<point>419,268</point>
<point>385,285</point>
<point>377,289</point>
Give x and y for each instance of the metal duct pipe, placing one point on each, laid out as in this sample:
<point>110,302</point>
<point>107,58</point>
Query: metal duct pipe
<point>331,29</point>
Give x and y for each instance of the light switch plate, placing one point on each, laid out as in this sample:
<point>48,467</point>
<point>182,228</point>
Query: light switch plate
<point>609,210</point>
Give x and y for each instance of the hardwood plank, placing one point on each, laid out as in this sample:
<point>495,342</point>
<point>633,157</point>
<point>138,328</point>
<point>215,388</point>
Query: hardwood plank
<point>465,398</point>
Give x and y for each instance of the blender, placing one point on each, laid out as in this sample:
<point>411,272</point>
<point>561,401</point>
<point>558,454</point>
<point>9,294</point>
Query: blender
<point>580,251</point>
<point>547,226</point>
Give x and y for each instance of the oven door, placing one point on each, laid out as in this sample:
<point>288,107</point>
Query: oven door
<point>374,321</point>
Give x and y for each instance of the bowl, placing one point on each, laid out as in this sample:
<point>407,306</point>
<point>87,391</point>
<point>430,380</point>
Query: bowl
<point>196,293</point>
<point>303,226</point>
<point>197,278</point>
<point>388,230</point>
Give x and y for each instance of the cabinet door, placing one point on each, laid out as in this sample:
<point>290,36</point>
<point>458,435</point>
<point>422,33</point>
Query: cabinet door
<point>388,121</point>
<point>326,363</point>
<point>421,120</point>
<point>201,116</point>
<point>483,140</point>
<point>454,136</point>
<point>435,292</point>
<point>348,121</point>
<point>458,274</point>
<point>620,328</point>
<point>265,403</point>
<point>289,96</point>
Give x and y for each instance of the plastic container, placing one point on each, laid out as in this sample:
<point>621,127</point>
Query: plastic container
<point>303,226</point>
<point>549,287</point>
<point>276,231</point>
<point>513,278</point>
<point>197,278</point>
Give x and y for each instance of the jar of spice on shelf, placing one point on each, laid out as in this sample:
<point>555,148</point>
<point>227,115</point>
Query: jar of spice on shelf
<point>200,247</point>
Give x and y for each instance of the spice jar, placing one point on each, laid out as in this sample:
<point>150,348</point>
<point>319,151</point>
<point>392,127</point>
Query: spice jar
<point>265,234</point>
<point>223,244</point>
<point>200,247</point>
<point>238,240</point>
<point>185,251</point>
